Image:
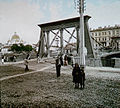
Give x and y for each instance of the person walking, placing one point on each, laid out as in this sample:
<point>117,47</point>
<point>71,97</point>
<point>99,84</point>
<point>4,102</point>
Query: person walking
<point>28,56</point>
<point>82,77</point>
<point>76,73</point>
<point>26,65</point>
<point>58,67</point>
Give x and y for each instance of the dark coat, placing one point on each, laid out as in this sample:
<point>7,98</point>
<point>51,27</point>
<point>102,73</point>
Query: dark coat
<point>82,75</point>
<point>76,74</point>
<point>61,60</point>
<point>58,67</point>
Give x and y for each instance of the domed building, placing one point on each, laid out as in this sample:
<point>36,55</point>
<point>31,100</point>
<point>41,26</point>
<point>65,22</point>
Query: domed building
<point>15,40</point>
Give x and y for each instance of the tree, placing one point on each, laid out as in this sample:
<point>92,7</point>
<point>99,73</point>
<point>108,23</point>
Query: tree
<point>28,48</point>
<point>21,47</point>
<point>15,47</point>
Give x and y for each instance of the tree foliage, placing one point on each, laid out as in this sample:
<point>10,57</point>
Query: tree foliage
<point>21,47</point>
<point>28,48</point>
<point>15,47</point>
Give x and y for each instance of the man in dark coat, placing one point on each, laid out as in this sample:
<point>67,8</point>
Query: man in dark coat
<point>82,77</point>
<point>61,60</point>
<point>58,67</point>
<point>76,75</point>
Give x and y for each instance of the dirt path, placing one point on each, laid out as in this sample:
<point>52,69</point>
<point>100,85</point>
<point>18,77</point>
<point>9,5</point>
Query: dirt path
<point>99,72</point>
<point>13,76</point>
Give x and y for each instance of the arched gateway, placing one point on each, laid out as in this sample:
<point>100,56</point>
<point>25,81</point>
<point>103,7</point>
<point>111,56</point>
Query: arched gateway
<point>62,26</point>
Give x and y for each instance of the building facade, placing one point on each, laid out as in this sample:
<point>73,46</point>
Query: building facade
<point>106,37</point>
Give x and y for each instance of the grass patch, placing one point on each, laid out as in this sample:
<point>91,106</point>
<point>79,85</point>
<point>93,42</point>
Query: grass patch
<point>10,70</point>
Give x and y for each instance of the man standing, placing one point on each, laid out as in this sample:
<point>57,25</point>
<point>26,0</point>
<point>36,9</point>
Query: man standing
<point>61,60</point>
<point>58,67</point>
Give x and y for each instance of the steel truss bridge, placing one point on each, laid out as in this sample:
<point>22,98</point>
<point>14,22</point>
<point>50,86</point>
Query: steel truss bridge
<point>61,26</point>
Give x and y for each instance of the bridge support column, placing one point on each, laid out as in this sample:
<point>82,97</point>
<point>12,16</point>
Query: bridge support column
<point>77,35</point>
<point>48,46</point>
<point>61,40</point>
<point>42,48</point>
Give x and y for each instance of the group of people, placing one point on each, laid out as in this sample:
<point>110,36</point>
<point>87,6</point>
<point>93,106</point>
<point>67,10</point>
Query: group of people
<point>78,76</point>
<point>77,73</point>
<point>6,58</point>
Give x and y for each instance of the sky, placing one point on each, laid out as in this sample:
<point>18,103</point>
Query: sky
<point>23,16</point>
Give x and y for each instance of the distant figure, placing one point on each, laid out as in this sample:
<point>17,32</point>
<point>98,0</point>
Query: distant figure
<point>82,77</point>
<point>76,73</point>
<point>65,60</point>
<point>58,67</point>
<point>38,58</point>
<point>61,60</point>
<point>73,62</point>
<point>28,56</point>
<point>26,65</point>
<point>14,58</point>
<point>69,60</point>
<point>2,59</point>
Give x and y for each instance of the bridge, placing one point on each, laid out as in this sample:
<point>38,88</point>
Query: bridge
<point>62,26</point>
<point>50,28</point>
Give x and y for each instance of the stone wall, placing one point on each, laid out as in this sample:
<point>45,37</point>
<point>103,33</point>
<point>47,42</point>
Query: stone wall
<point>117,62</point>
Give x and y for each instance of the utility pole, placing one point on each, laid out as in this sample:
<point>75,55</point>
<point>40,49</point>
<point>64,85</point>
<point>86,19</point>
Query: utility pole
<point>81,54</point>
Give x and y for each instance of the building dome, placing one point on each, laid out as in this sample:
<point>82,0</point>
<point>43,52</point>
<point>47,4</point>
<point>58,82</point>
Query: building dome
<point>15,37</point>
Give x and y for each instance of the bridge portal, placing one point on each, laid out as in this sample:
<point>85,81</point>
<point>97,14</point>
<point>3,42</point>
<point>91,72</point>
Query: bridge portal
<point>62,26</point>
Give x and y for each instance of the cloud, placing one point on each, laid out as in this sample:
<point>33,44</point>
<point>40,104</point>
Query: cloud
<point>21,17</point>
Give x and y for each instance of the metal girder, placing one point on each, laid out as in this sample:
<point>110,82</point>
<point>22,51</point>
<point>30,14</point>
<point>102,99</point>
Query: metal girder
<point>70,33</point>
<point>54,38</point>
<point>71,36</point>
<point>58,36</point>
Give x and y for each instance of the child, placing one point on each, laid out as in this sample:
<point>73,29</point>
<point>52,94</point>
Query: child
<point>82,78</point>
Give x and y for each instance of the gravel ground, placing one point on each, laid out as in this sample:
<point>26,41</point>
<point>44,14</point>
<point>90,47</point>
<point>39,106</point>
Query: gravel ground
<point>44,90</point>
